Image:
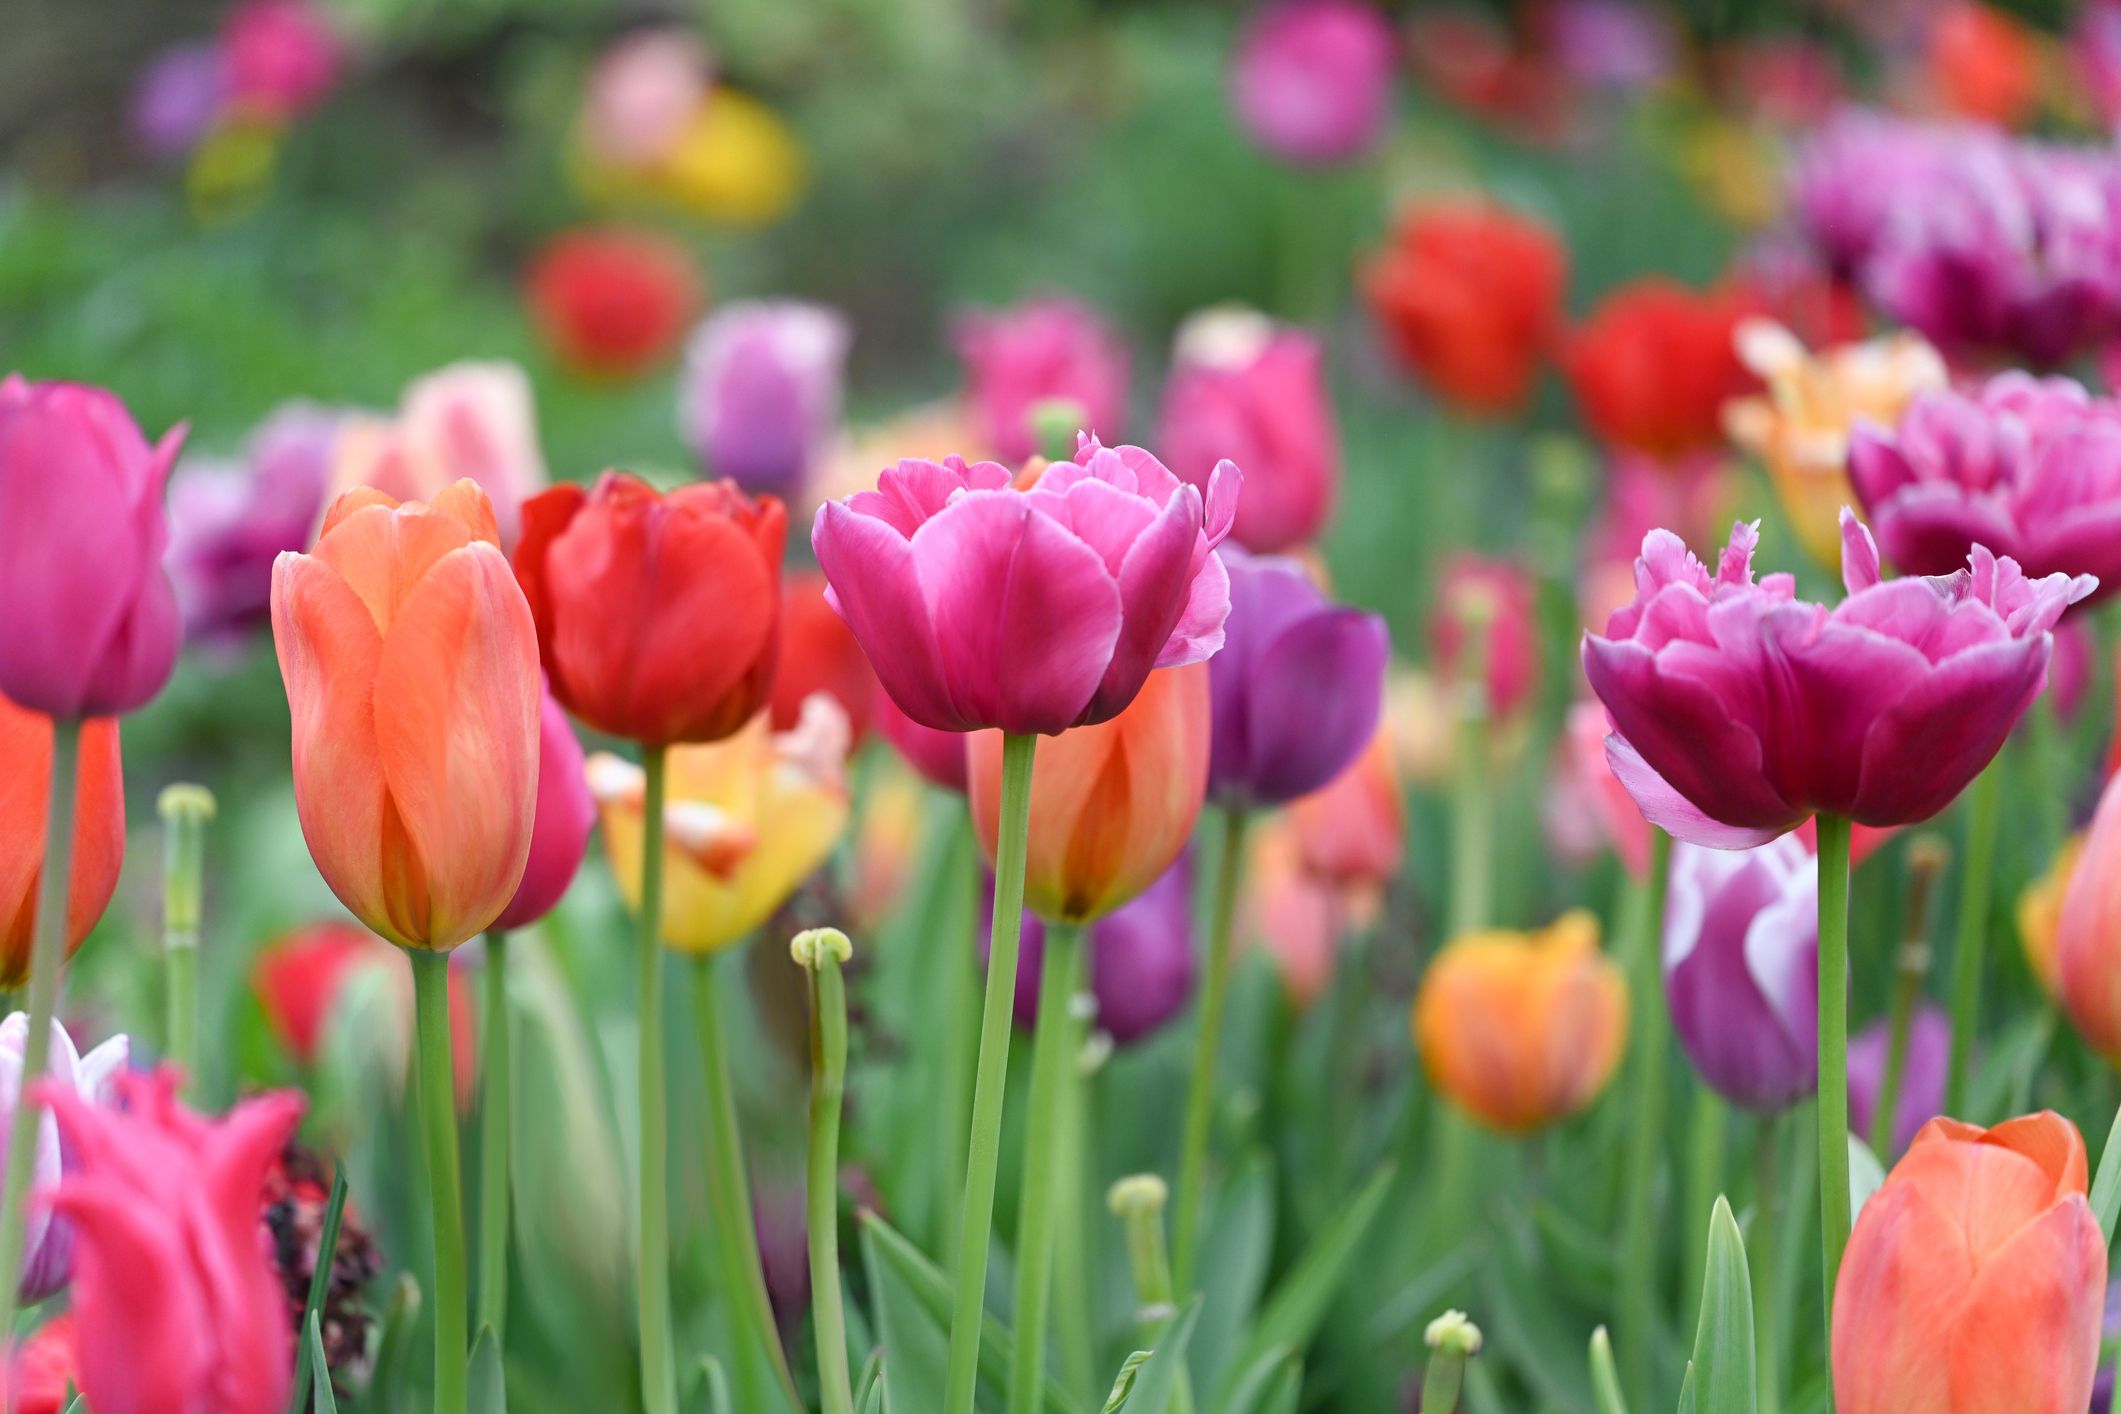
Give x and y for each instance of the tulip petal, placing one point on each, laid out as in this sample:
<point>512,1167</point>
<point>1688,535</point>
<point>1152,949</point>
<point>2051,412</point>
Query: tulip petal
<point>1334,646</point>
<point>143,1342</point>
<point>1952,721</point>
<point>1155,591</point>
<point>876,589</point>
<point>1672,812</point>
<point>1199,634</point>
<point>2027,1341</point>
<point>1902,1280</point>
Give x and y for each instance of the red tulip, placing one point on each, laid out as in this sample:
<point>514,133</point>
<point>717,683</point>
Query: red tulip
<point>612,303</point>
<point>299,978</point>
<point>819,654</point>
<point>1655,363</point>
<point>99,831</point>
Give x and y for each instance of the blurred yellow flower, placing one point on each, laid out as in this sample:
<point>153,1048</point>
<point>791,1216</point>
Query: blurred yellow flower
<point>2040,914</point>
<point>734,161</point>
<point>746,820</point>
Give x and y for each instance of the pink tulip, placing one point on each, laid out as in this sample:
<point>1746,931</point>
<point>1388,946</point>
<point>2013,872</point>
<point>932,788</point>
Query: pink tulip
<point>1586,806</point>
<point>1740,710</point>
<point>178,1306</point>
<point>1041,350</point>
<point>281,56</point>
<point>1312,81</point>
<point>88,617</point>
<point>1032,610</point>
<point>474,420</point>
<point>560,833</point>
<point>937,755</point>
<point>1255,392</point>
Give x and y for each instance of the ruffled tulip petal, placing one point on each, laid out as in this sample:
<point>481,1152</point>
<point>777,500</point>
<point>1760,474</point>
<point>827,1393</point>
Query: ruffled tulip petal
<point>1342,645</point>
<point>1200,633</point>
<point>1154,598</point>
<point>1953,720</point>
<point>1672,812</point>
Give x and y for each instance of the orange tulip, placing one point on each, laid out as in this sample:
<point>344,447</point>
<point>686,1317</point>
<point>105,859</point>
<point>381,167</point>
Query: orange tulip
<point>1975,1279</point>
<point>2040,915</point>
<point>99,830</point>
<point>1522,1029</point>
<point>411,667</point>
<point>1111,804</point>
<point>2088,943</point>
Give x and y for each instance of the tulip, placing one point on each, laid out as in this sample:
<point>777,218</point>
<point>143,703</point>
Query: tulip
<point>177,98</point>
<point>2090,932</point>
<point>1612,44</point>
<point>1502,596</point>
<point>1140,960</point>
<point>1851,175</point>
<point>2095,59</point>
<point>46,1369</point>
<point>746,821</point>
<point>1311,81</point>
<point>981,605</point>
<point>1111,804</point>
<point>657,615</point>
<point>300,976</point>
<point>760,393</point>
<point>819,654</point>
<point>1522,1029</point>
<point>2029,468</point>
<point>1929,1049</point>
<point>1039,351</point>
<point>177,1307</point>
<point>88,617</point>
<point>2040,916</point>
<point>937,755</point>
<point>1984,64</point>
<point>1741,969</point>
<point>928,432</point>
<point>731,161</point>
<point>1655,363</point>
<point>1975,1278</point>
<point>642,92</point>
<point>1255,392</point>
<point>611,303</point>
<point>1469,297</point>
<point>469,420</point>
<point>1351,832</point>
<point>1297,686</point>
<point>1801,427</point>
<point>280,56</point>
<point>1586,805</point>
<point>1289,911</point>
<point>99,831</point>
<point>560,824</point>
<point>47,1250</point>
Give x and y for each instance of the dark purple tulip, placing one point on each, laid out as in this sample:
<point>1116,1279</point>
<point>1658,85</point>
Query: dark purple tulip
<point>1140,958</point>
<point>1741,968</point>
<point>1929,1053</point>
<point>1297,686</point>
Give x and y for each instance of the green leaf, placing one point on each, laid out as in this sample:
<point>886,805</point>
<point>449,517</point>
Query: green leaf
<point>1281,1396</point>
<point>1233,1265</point>
<point>306,1358</point>
<point>1722,1371</point>
<point>2106,1186</point>
<point>77,1405</point>
<point>1257,1381</point>
<point>1157,1382</point>
<point>322,1399</point>
<point>708,1390</point>
<point>870,1397</point>
<point>1605,1380</point>
<point>401,1322</point>
<point>489,1388</point>
<point>917,1370</point>
<point>1123,1382</point>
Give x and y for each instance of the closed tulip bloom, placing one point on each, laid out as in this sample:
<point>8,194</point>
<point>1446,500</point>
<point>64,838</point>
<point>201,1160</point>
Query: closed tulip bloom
<point>411,667</point>
<point>1975,1279</point>
<point>1298,685</point>
<point>657,615</point>
<point>1741,969</point>
<point>1352,831</point>
<point>1254,392</point>
<point>177,1306</point>
<point>1499,592</point>
<point>299,976</point>
<point>819,654</point>
<point>1985,64</point>
<point>937,755</point>
<point>1655,363</point>
<point>1522,1029</point>
<point>1929,1055</point>
<point>88,616</point>
<point>759,397</point>
<point>1035,352</point>
<point>1140,959</point>
<point>745,823</point>
<point>560,832</point>
<point>281,57</point>
<point>612,303</point>
<point>1111,804</point>
<point>1311,81</point>
<point>47,1242</point>
<point>1029,610</point>
<point>2088,943</point>
<point>1294,914</point>
<point>99,831</point>
<point>2029,467</point>
<point>471,421</point>
<point>1740,710</point>
<point>641,92</point>
<point>46,1369</point>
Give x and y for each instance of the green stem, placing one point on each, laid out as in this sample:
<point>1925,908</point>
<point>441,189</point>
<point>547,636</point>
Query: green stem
<point>494,1101</point>
<point>1766,1313</point>
<point>1200,1092</point>
<point>1074,1341</point>
<point>960,984</point>
<point>1638,1267</point>
<point>438,1121</point>
<point>983,1151</point>
<point>828,1084</point>
<point>47,955</point>
<point>184,809</point>
<point>1472,805</point>
<point>728,1188</point>
<point>1926,860</point>
<point>1833,1050</point>
<point>1983,808</point>
<point>1053,1055</point>
<point>1705,1145</point>
<point>652,1271</point>
<point>1441,1382</point>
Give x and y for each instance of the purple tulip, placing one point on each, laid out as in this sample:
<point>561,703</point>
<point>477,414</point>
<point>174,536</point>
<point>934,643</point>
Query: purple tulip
<point>560,832</point>
<point>1297,686</point>
<point>1741,969</point>
<point>177,98</point>
<point>227,522</point>
<point>88,618</point>
<point>2095,58</point>
<point>1929,1054</point>
<point>1312,79</point>
<point>1140,957</point>
<point>760,394</point>
<point>1040,351</point>
<point>2029,467</point>
<point>1739,710</point>
<point>1614,44</point>
<point>1846,181</point>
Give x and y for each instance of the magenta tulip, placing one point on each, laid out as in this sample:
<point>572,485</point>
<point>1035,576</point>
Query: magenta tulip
<point>760,395</point>
<point>560,832</point>
<point>938,755</point>
<point>2029,467</point>
<point>1312,81</point>
<point>1740,710</point>
<point>1033,610</point>
<point>88,617</point>
<point>1039,351</point>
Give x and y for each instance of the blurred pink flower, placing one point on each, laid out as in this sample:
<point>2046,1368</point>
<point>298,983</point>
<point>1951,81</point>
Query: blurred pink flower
<point>1311,81</point>
<point>1501,594</point>
<point>281,57</point>
<point>471,420</point>
<point>2095,58</point>
<point>1042,349</point>
<point>560,833</point>
<point>643,93</point>
<point>1585,806</point>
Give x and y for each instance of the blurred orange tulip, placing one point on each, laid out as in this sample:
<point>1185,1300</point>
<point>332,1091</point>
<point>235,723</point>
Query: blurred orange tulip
<point>1111,804</point>
<point>2088,943</point>
<point>411,667</point>
<point>1297,917</point>
<point>99,830</point>
<point>1975,1280</point>
<point>2040,915</point>
<point>1522,1029</point>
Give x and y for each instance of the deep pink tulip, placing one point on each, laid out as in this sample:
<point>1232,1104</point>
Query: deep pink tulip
<point>560,832</point>
<point>1312,79</point>
<point>179,1308</point>
<point>1037,351</point>
<point>1032,610</point>
<point>282,57</point>
<point>88,617</point>
<point>2029,467</point>
<point>1740,710</point>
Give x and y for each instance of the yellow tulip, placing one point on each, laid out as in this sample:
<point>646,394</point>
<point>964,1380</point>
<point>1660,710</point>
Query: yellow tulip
<point>2040,914</point>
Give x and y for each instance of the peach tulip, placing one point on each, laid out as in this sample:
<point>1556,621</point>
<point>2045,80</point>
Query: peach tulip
<point>99,830</point>
<point>1975,1279</point>
<point>411,667</point>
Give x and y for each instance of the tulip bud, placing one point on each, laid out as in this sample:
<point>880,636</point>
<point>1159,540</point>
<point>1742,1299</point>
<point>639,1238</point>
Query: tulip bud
<point>760,393</point>
<point>1311,81</point>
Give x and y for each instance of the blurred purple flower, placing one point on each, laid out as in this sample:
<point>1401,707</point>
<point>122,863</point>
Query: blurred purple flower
<point>1610,43</point>
<point>1140,958</point>
<point>2095,57</point>
<point>177,98</point>
<point>1929,1052</point>
<point>760,394</point>
<point>1312,79</point>
<point>1036,351</point>
<point>1855,169</point>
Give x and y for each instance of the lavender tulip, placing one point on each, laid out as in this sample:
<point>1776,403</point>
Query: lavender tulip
<point>177,98</point>
<point>1929,1051</point>
<point>760,394</point>
<point>1140,959</point>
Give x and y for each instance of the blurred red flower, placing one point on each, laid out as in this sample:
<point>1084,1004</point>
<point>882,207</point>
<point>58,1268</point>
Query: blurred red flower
<point>1984,64</point>
<point>1654,364</point>
<point>819,654</point>
<point>612,303</point>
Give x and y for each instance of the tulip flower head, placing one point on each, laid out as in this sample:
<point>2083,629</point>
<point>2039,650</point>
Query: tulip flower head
<point>612,303</point>
<point>1655,363</point>
<point>1522,1029</point>
<point>281,57</point>
<point>299,977</point>
<point>469,420</point>
<point>1502,600</point>
<point>1975,1277</point>
<point>1984,63</point>
<point>938,755</point>
<point>760,393</point>
<point>2040,915</point>
<point>411,667</point>
<point>88,615</point>
<point>1352,831</point>
<point>1929,1052</point>
<point>560,832</point>
<point>2088,942</point>
<point>1740,710</point>
<point>819,654</point>
<point>99,831</point>
<point>657,615</point>
<point>1311,81</point>
<point>1040,351</point>
<point>1586,806</point>
<point>745,822</point>
<point>1295,915</point>
<point>981,604</point>
<point>47,1242</point>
